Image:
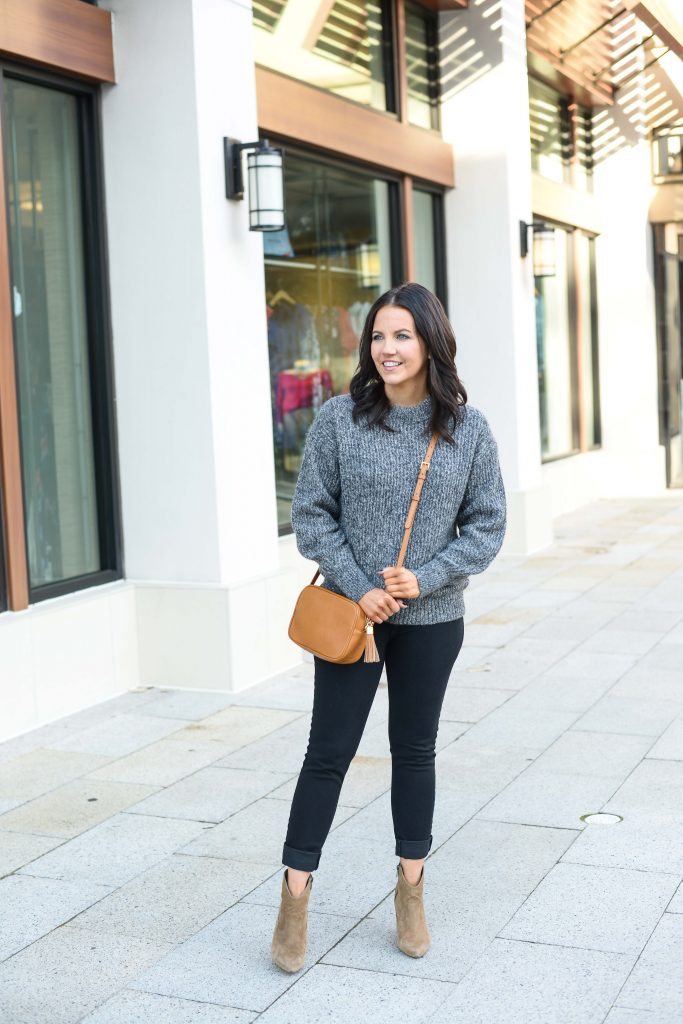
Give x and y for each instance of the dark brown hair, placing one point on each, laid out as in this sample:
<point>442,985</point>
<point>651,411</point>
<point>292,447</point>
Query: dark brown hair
<point>443,384</point>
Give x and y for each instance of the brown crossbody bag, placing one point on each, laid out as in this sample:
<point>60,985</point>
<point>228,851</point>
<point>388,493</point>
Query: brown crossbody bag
<point>334,627</point>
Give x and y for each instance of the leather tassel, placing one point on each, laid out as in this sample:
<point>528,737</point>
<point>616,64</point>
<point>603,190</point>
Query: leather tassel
<point>371,652</point>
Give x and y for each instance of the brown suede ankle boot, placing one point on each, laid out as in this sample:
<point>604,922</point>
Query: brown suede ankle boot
<point>412,934</point>
<point>290,937</point>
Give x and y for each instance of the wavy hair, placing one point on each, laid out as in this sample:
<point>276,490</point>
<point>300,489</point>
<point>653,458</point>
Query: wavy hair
<point>443,384</point>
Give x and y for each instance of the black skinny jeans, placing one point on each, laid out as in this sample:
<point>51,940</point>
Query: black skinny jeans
<point>419,660</point>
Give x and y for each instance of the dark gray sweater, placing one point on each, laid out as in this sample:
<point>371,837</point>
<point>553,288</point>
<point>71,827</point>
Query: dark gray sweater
<point>353,493</point>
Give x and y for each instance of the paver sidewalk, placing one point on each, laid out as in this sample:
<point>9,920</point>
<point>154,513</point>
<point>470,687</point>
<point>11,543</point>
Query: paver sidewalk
<point>140,840</point>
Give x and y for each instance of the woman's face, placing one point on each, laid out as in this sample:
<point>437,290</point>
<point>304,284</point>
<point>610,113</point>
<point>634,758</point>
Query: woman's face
<point>397,350</point>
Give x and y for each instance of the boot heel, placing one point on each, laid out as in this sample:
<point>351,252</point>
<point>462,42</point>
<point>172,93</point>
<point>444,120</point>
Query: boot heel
<point>290,936</point>
<point>412,933</point>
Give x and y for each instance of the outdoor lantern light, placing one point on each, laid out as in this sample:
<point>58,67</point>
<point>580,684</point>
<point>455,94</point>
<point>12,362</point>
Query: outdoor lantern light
<point>545,258</point>
<point>265,178</point>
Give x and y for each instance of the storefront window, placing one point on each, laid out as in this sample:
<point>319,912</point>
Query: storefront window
<point>322,274</point>
<point>42,160</point>
<point>554,341</point>
<point>424,230</point>
<point>422,58</point>
<point>344,47</point>
<point>550,132</point>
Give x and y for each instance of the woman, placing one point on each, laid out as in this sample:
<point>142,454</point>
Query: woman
<point>360,465</point>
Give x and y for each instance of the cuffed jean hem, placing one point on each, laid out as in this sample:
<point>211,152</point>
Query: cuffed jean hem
<point>413,849</point>
<point>301,860</point>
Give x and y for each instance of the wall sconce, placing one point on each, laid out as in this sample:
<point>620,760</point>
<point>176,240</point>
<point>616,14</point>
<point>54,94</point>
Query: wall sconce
<point>265,178</point>
<point>545,258</point>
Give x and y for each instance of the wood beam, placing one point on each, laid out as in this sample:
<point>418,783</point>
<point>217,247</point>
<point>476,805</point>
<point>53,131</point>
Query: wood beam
<point>63,35</point>
<point>293,110</point>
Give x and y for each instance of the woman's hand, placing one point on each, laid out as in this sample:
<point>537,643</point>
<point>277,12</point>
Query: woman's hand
<point>378,605</point>
<point>400,582</point>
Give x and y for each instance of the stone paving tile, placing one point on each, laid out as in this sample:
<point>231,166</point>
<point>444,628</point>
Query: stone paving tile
<point>239,726</point>
<point>587,753</point>
<point>282,751</point>
<point>669,746</point>
<point>621,1015</point>
<point>610,909</point>
<point>211,794</point>
<point>641,842</point>
<point>620,641</point>
<point>284,691</point>
<point>9,805</point>
<point>654,788</point>
<point>646,684</point>
<point>560,694</point>
<point>69,972</point>
<point>16,850</point>
<point>365,995</point>
<point>228,962</point>
<point>120,735</point>
<point>522,728</point>
<point>73,808</point>
<point>189,705</point>
<point>485,856</point>
<point>531,983</point>
<point>38,771</point>
<point>174,898</point>
<point>52,732</point>
<point>256,833</point>
<point>630,715</point>
<point>469,704</point>
<point>656,622</point>
<point>116,850</point>
<point>32,907</point>
<point>556,799</point>
<point>676,905</point>
<point>656,982</point>
<point>128,1007</point>
<point>164,762</point>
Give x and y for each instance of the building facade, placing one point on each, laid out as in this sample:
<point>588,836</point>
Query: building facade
<point>160,363</point>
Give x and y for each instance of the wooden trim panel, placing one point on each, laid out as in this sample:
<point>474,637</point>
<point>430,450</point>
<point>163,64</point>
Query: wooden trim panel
<point>10,455</point>
<point>64,35</point>
<point>565,204</point>
<point>294,110</point>
<point>444,5</point>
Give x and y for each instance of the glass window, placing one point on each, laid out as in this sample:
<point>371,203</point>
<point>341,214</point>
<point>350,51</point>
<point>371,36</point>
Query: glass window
<point>344,47</point>
<point>588,342</point>
<point>322,273</point>
<point>53,370</point>
<point>555,349</point>
<point>422,57</point>
<point>424,231</point>
<point>550,132</point>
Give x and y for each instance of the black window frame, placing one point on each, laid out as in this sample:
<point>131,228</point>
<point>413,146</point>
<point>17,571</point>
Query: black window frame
<point>98,329</point>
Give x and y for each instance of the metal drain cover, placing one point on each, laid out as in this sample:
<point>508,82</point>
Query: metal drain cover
<point>601,818</point>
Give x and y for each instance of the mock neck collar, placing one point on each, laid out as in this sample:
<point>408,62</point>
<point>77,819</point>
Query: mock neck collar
<point>411,413</point>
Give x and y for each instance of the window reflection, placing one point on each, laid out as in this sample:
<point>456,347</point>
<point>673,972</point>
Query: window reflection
<point>422,58</point>
<point>343,46</point>
<point>48,298</point>
<point>322,273</point>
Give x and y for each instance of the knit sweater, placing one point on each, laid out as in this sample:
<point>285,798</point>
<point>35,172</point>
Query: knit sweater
<point>354,490</point>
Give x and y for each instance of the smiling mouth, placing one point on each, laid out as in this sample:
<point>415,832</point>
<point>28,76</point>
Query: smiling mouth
<point>391,364</point>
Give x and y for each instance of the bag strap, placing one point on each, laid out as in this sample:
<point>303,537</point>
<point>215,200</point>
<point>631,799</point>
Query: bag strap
<point>414,502</point>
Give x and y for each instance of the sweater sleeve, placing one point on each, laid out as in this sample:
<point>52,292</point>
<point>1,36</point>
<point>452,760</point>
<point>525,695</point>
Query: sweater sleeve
<point>316,507</point>
<point>480,521</point>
